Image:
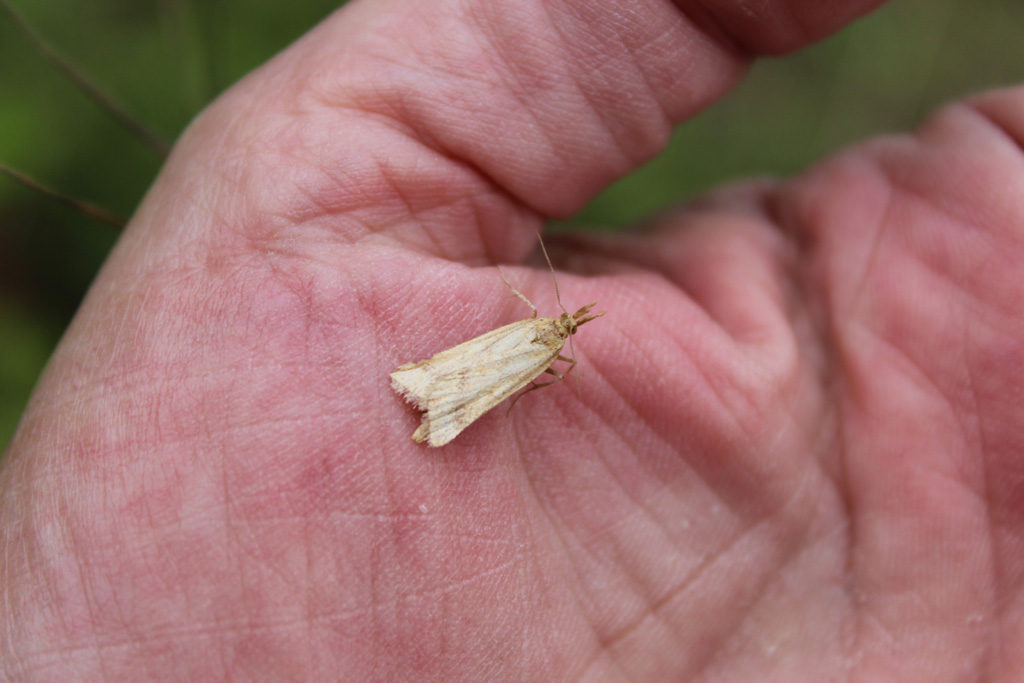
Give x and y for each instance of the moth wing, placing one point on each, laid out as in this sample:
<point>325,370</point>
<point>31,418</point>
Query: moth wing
<point>457,386</point>
<point>460,398</point>
<point>415,381</point>
<point>412,381</point>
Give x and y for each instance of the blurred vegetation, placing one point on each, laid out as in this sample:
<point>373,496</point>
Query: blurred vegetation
<point>163,59</point>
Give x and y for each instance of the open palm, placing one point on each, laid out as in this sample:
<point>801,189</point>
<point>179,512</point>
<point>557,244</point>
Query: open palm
<point>794,452</point>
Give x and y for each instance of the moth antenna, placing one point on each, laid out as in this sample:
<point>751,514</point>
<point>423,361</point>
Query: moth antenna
<point>558,295</point>
<point>515,291</point>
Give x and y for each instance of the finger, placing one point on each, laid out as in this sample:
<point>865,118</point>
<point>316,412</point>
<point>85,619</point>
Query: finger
<point>456,126</point>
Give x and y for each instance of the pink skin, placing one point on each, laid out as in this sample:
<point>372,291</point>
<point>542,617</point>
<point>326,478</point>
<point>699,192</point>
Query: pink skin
<point>797,452</point>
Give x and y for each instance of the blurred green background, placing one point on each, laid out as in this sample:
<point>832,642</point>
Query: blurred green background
<point>163,59</point>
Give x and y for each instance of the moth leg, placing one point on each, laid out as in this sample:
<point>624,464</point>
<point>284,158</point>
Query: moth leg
<point>551,371</point>
<point>534,385</point>
<point>572,366</point>
<point>518,293</point>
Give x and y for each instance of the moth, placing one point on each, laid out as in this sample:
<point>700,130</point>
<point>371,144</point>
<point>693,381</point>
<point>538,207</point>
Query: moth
<point>457,386</point>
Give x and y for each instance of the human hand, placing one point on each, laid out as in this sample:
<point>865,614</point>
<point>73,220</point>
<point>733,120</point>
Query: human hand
<point>795,453</point>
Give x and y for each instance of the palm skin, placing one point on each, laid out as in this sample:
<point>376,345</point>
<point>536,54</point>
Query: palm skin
<point>795,452</point>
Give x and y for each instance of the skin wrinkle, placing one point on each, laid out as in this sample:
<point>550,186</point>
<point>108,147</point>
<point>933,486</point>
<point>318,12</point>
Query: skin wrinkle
<point>527,91</point>
<point>580,595</point>
<point>650,91</point>
<point>326,206</point>
<point>185,636</point>
<point>522,92</point>
<point>696,573</point>
<point>638,589</point>
<point>546,136</point>
<point>10,662</point>
<point>794,497</point>
<point>905,192</point>
<point>922,379</point>
<point>662,129</point>
<point>1005,129</point>
<point>771,206</point>
<point>973,429</point>
<point>635,414</point>
<point>995,612</point>
<point>531,578</point>
<point>605,660</point>
<point>829,327</point>
<point>88,597</point>
<point>711,26</point>
<point>642,586</point>
<point>237,427</point>
<point>706,17</point>
<point>948,117</point>
<point>322,208</point>
<point>413,212</point>
<point>927,385</point>
<point>607,642</point>
<point>382,357</point>
<point>755,405</point>
<point>380,590</point>
<point>641,509</point>
<point>793,554</point>
<point>565,546</point>
<point>660,437</point>
<point>862,607</point>
<point>978,107</point>
<point>792,421</point>
<point>420,136</point>
<point>822,331</point>
<point>724,406</point>
<point>594,110</point>
<point>230,540</point>
<point>245,624</point>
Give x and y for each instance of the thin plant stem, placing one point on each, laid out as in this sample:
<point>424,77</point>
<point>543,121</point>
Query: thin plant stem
<point>91,210</point>
<point>103,100</point>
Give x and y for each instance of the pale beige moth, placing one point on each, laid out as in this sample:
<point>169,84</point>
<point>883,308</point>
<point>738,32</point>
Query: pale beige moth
<point>457,386</point>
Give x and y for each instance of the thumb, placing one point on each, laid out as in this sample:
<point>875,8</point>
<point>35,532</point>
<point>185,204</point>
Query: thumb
<point>455,126</point>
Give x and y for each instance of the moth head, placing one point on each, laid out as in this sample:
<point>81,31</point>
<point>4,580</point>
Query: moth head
<point>568,323</point>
